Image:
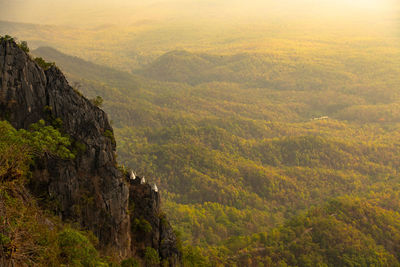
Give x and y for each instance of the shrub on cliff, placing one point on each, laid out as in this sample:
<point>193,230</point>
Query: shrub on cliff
<point>151,257</point>
<point>18,148</point>
<point>131,262</point>
<point>77,250</point>
<point>43,64</point>
<point>46,140</point>
<point>97,101</point>
<point>15,153</point>
<point>24,46</point>
<point>141,225</point>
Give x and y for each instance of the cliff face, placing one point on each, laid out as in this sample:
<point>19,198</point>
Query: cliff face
<point>150,228</point>
<point>89,189</point>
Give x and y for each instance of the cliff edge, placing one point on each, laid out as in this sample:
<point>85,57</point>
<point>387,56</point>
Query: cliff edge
<point>89,189</point>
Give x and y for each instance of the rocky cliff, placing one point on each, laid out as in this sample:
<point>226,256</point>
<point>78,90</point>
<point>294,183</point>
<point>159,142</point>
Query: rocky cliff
<point>89,189</point>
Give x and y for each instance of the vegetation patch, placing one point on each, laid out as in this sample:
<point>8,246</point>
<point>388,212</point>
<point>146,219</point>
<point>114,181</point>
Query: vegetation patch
<point>29,235</point>
<point>97,101</point>
<point>109,134</point>
<point>141,225</point>
<point>43,64</point>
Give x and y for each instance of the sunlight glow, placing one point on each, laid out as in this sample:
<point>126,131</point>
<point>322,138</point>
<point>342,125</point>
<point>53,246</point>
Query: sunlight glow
<point>94,12</point>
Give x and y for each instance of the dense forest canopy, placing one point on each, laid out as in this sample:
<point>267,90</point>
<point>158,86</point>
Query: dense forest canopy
<point>273,141</point>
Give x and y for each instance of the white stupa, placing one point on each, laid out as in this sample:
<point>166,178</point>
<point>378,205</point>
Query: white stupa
<point>143,181</point>
<point>155,188</point>
<point>133,175</point>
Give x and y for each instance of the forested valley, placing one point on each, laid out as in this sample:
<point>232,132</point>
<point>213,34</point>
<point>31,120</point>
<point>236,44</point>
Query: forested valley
<point>284,155</point>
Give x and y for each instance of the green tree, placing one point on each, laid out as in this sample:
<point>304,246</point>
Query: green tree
<point>24,46</point>
<point>46,140</point>
<point>77,250</point>
<point>151,257</point>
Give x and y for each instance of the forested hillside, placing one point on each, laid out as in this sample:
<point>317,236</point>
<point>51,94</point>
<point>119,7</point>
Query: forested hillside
<point>263,158</point>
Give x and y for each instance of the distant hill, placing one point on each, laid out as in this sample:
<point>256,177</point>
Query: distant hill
<point>249,69</point>
<point>77,67</point>
<point>197,68</point>
<point>179,66</point>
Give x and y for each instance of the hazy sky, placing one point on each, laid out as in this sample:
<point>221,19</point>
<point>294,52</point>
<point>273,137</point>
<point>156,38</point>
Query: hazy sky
<point>94,12</point>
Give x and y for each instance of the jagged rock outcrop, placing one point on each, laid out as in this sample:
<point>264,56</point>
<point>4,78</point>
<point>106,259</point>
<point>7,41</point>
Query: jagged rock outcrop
<point>89,189</point>
<point>149,226</point>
